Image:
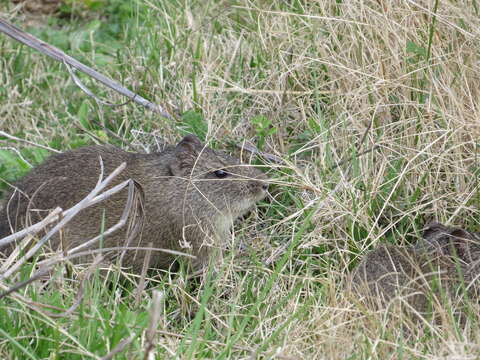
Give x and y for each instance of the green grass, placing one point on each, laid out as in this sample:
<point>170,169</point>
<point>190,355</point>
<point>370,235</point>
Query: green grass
<point>316,83</point>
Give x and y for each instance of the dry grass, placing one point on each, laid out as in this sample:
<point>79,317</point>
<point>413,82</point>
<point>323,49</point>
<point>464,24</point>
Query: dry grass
<point>334,79</point>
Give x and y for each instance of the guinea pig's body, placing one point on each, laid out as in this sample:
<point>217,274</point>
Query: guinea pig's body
<point>446,261</point>
<point>191,196</point>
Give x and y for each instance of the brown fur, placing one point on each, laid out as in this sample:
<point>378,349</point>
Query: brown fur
<point>185,202</point>
<point>440,263</point>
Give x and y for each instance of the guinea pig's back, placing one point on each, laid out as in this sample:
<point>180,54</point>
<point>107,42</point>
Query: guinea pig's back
<point>61,181</point>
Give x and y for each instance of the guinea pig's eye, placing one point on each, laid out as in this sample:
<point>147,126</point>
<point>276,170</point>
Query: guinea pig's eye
<point>221,174</point>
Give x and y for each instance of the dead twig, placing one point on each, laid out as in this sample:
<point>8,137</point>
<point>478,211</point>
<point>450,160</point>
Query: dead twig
<point>141,283</point>
<point>19,154</point>
<point>57,214</point>
<point>22,284</point>
<point>11,137</point>
<point>136,200</point>
<point>68,215</point>
<point>119,348</point>
<point>57,54</point>
<point>87,91</point>
<point>60,258</point>
<point>123,218</point>
<point>28,233</point>
<point>155,313</point>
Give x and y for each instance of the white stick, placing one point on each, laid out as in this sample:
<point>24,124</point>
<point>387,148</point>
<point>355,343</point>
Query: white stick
<point>57,54</point>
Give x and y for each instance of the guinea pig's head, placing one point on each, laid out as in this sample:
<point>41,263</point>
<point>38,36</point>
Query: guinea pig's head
<point>448,241</point>
<point>215,183</point>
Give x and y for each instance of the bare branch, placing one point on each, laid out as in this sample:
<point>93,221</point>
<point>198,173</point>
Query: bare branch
<point>141,283</point>
<point>155,313</point>
<point>57,54</point>
<point>69,214</point>
<point>60,258</point>
<point>33,229</point>
<point>119,348</point>
<point>19,154</point>
<point>11,137</point>
<point>119,224</point>
<point>22,284</point>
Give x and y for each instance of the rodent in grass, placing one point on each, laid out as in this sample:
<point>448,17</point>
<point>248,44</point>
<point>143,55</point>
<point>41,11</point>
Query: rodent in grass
<point>445,261</point>
<point>192,195</point>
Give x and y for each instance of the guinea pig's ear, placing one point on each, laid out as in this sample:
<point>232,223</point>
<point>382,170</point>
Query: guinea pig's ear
<point>186,153</point>
<point>190,143</point>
